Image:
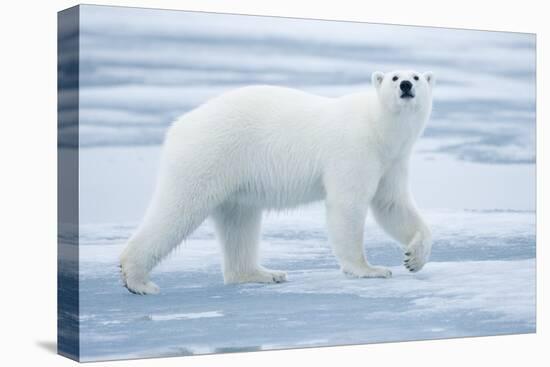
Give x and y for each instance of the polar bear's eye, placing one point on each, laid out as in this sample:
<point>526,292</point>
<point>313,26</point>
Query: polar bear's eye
<point>416,77</point>
<point>395,78</point>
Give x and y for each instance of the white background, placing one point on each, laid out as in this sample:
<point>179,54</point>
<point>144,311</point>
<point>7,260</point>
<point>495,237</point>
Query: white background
<point>28,182</point>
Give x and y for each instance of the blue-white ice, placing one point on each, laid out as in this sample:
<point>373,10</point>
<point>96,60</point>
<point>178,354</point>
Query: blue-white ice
<point>481,282</point>
<point>472,174</point>
<point>141,68</point>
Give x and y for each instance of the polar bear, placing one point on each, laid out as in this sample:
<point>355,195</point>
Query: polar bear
<point>271,148</point>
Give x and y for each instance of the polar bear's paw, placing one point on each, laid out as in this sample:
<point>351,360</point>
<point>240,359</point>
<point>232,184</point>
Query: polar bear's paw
<point>260,275</point>
<point>417,254</point>
<point>138,285</point>
<point>142,288</point>
<point>414,261</point>
<point>368,272</point>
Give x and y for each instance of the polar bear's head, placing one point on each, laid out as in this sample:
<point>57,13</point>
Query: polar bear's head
<point>404,90</point>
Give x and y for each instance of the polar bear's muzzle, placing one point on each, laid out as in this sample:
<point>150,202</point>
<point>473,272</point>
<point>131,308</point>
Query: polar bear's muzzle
<point>406,89</point>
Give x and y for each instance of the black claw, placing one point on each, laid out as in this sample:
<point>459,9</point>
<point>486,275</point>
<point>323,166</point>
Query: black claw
<point>131,290</point>
<point>407,260</point>
<point>407,254</point>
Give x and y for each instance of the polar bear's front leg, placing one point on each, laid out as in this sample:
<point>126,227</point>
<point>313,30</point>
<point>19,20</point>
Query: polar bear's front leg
<point>345,222</point>
<point>395,211</point>
<point>238,229</point>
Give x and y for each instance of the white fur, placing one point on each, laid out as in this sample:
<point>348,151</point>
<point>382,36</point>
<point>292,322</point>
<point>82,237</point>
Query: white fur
<point>271,148</point>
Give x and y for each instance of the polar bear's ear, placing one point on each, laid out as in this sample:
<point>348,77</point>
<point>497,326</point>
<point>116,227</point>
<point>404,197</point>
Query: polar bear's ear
<point>429,76</point>
<point>377,78</point>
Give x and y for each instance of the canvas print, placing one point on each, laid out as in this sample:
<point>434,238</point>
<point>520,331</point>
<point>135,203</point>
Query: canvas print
<point>234,183</point>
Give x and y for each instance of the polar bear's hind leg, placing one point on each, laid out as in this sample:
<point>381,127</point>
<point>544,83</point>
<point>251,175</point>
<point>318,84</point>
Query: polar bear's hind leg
<point>172,216</point>
<point>238,230</point>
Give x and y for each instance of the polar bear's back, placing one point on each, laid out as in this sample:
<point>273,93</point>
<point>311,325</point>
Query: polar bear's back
<point>257,116</point>
<point>262,143</point>
<point>258,107</point>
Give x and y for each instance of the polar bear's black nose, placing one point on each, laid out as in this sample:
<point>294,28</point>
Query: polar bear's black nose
<point>405,86</point>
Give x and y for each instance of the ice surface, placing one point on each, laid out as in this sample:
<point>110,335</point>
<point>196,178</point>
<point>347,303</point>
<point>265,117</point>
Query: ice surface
<point>142,68</point>
<point>186,316</point>
<point>481,282</point>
